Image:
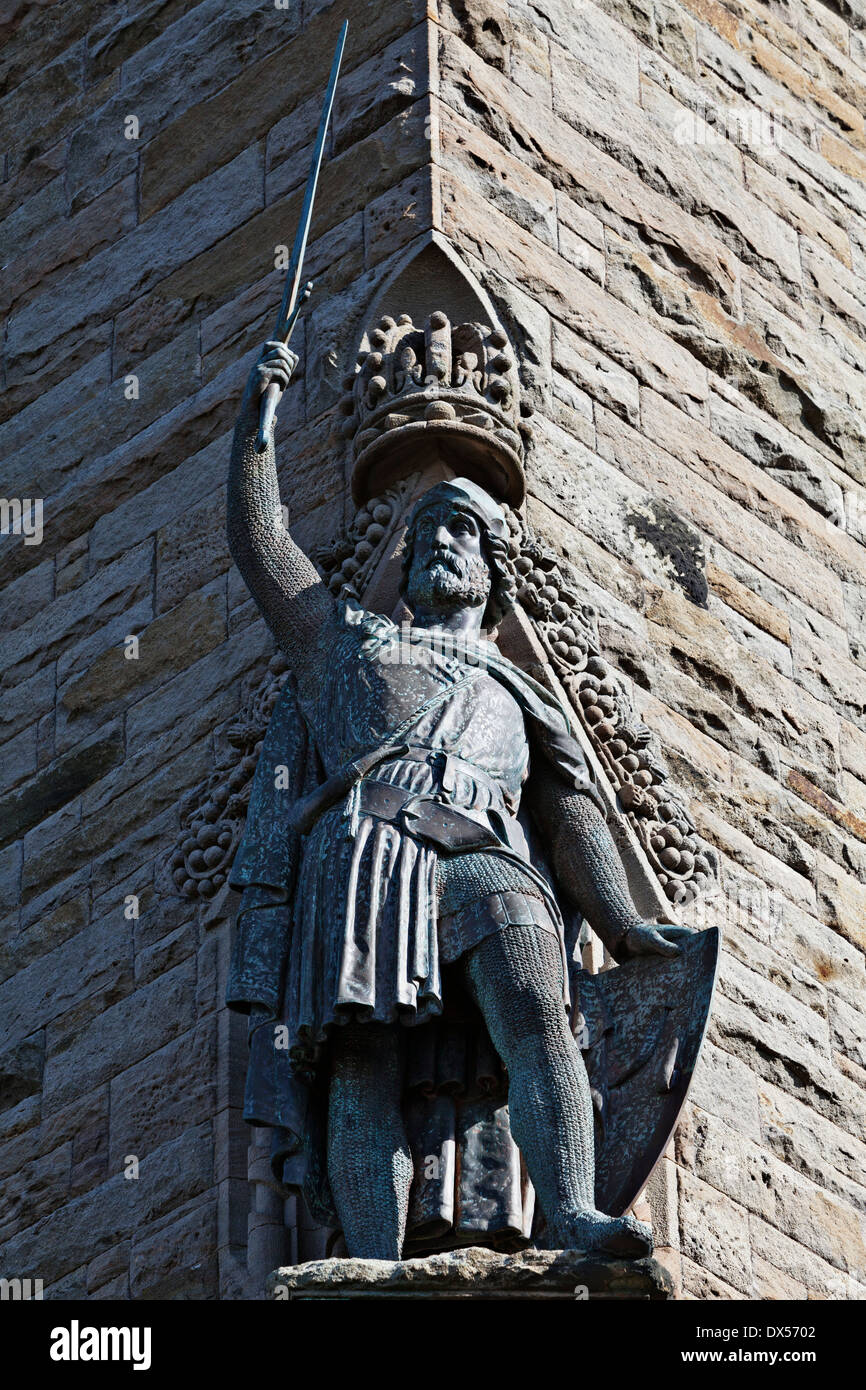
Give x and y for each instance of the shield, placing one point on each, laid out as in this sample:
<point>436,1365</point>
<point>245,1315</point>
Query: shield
<point>641,1025</point>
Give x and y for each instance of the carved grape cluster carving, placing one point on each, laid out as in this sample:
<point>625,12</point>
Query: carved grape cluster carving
<point>212,821</point>
<point>347,564</point>
<point>684,864</point>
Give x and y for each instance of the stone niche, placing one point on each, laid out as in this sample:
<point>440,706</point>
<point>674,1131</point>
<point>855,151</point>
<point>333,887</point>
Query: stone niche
<point>552,632</point>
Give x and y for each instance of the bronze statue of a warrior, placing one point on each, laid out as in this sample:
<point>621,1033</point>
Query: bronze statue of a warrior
<point>423,834</point>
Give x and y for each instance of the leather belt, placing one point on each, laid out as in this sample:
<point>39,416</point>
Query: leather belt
<point>450,828</point>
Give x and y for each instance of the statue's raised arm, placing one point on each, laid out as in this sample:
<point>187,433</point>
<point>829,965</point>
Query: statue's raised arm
<point>281,578</point>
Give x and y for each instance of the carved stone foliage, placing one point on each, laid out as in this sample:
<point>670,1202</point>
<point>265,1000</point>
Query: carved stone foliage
<point>683,863</point>
<point>348,561</point>
<point>212,819</point>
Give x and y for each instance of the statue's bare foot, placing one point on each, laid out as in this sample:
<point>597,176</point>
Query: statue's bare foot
<point>624,1236</point>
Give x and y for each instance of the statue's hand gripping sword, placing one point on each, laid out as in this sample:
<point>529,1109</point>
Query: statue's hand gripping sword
<point>293,297</point>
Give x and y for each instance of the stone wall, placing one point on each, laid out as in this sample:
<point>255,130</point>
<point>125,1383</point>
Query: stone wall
<point>665,201</point>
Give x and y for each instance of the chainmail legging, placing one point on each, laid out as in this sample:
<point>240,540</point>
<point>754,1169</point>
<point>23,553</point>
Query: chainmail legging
<point>515,977</point>
<point>369,1163</point>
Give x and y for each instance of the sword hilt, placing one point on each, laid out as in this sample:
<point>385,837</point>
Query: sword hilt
<point>271,397</point>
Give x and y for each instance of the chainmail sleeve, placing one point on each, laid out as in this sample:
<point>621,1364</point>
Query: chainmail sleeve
<point>584,857</point>
<point>285,585</point>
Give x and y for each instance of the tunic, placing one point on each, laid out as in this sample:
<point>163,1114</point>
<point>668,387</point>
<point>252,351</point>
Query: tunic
<point>365,943</point>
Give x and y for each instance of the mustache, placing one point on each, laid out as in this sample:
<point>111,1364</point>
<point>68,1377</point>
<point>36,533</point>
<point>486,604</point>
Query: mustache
<point>454,563</point>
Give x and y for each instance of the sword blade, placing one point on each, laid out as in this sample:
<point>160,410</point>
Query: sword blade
<point>296,263</point>
<point>291,303</point>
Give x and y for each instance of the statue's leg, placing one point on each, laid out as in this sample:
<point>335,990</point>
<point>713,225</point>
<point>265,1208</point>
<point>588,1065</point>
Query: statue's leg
<point>369,1162</point>
<point>515,976</point>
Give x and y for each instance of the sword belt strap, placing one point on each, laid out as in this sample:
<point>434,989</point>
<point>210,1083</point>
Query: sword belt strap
<point>449,828</point>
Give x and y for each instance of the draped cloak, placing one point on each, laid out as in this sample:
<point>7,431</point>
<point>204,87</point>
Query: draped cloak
<point>342,923</point>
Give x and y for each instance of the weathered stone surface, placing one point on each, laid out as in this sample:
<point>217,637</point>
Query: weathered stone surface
<point>796,936</point>
<point>571,296</point>
<point>155,506</point>
<point>185,63</point>
<point>517,191</point>
<point>105,481</point>
<point>714,1232</point>
<point>208,133</point>
<point>35,1190</point>
<point>764,1044</point>
<point>726,1087</point>
<point>111,1269</point>
<point>775,968</point>
<point>396,217</point>
<point>708,506</point>
<point>762,1185</point>
<point>666,204</point>
<point>127,269</point>
<point>474,1272</point>
<point>199,698</point>
<point>700,1286</point>
<point>716,669</point>
<point>177,1260</point>
<point>165,954</point>
<point>29,595</point>
<point>112,820</point>
<point>86,234</point>
<point>751,605</point>
<point>812,1145</point>
<point>83,1228</point>
<point>42,108</point>
<point>788,1256</point>
<point>142,1115</point>
<point>829,676</point>
<point>396,74</point>
<point>121,1035</point>
<point>27,380</point>
<point>848,1031</point>
<point>75,614</point>
<point>595,373</point>
<point>60,783</point>
<point>21,1070</point>
<point>114,414</point>
<point>388,155</point>
<point>20,761</point>
<point>842,898</point>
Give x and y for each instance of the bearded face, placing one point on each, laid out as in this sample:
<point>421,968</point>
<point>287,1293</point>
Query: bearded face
<point>448,571</point>
<point>441,580</point>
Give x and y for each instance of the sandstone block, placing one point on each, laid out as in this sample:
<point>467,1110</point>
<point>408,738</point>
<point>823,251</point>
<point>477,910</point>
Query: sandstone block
<point>178,1259</point>
<point>127,269</point>
<point>714,1233</point>
<point>59,783</point>
<point>509,184</point>
<point>71,1237</point>
<point>143,1116</point>
<point>121,1036</point>
<point>812,1145</point>
<point>724,1086</point>
<point>111,591</point>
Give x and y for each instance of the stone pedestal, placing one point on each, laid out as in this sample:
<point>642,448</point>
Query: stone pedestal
<point>477,1273</point>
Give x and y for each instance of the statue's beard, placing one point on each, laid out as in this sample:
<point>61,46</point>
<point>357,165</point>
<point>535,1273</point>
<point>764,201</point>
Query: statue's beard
<point>448,583</point>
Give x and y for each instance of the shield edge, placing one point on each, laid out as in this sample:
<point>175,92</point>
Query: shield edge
<point>643,1166</point>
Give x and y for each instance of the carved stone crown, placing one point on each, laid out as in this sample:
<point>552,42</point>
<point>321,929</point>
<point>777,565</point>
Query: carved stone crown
<point>441,392</point>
